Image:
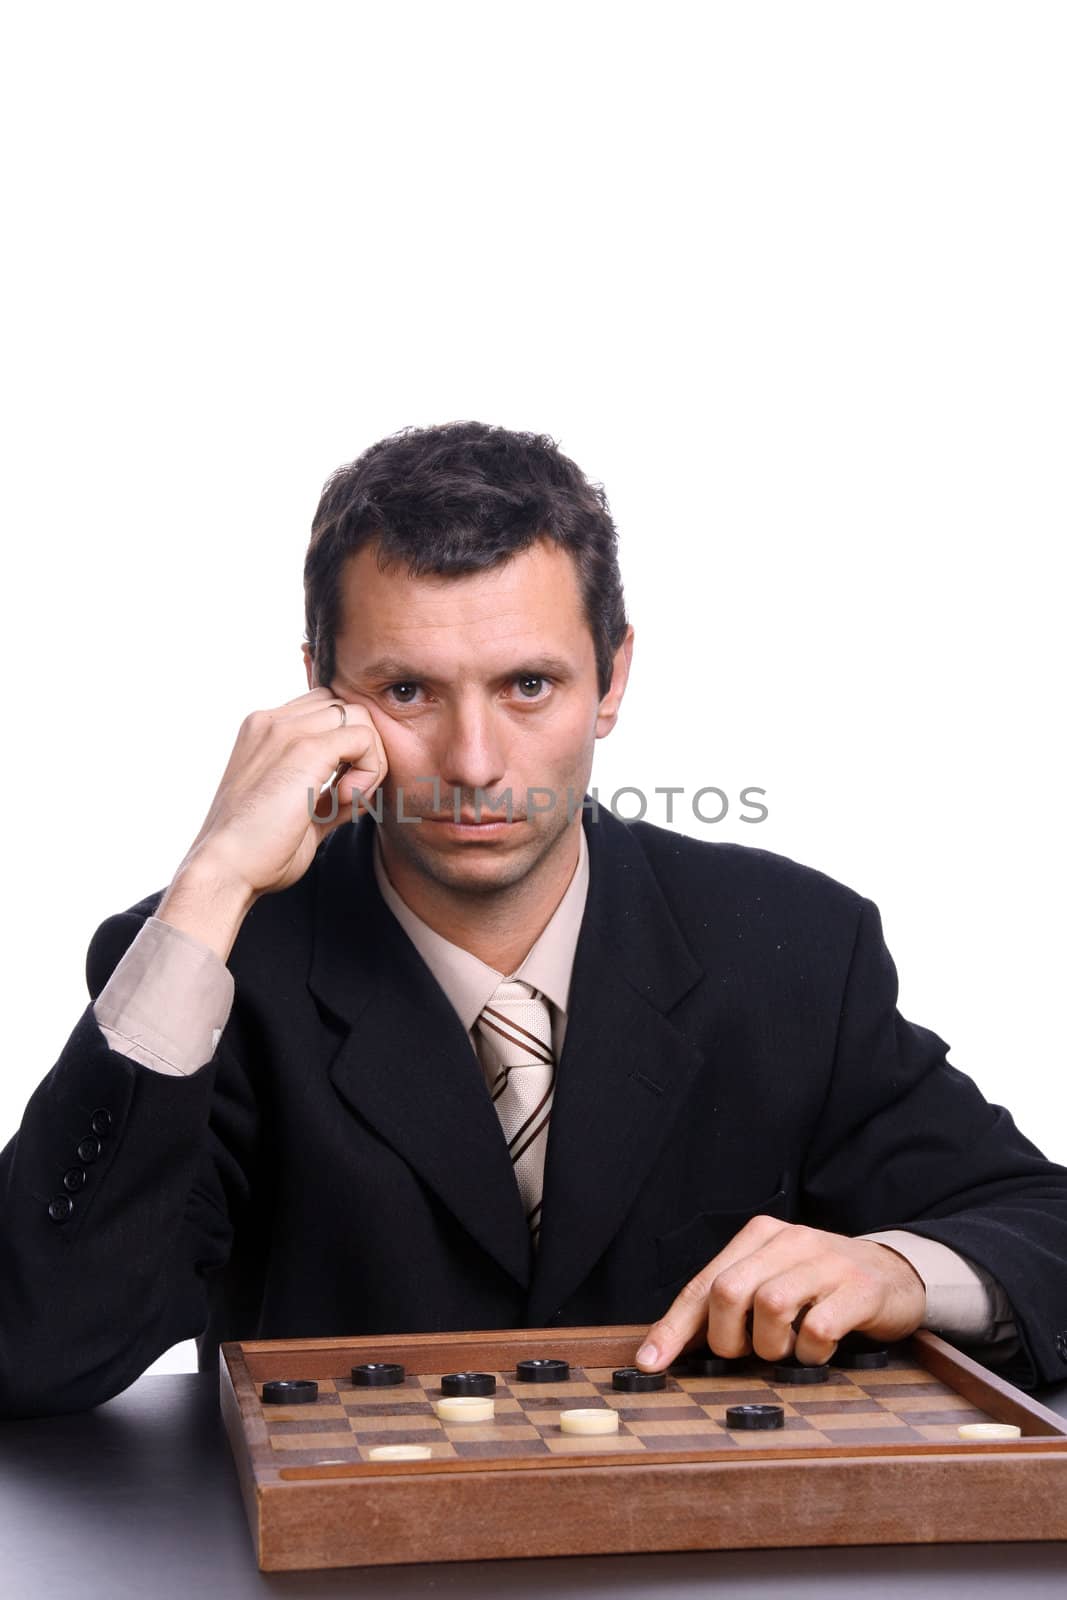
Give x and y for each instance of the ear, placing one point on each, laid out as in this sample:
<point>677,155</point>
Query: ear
<point>309,664</point>
<point>608,710</point>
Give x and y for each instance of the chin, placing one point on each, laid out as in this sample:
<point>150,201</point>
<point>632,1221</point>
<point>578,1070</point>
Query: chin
<point>459,870</point>
<point>475,869</point>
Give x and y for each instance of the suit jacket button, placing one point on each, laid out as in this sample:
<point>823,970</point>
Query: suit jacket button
<point>60,1208</point>
<point>1061,1345</point>
<point>100,1121</point>
<point>73,1179</point>
<point>89,1148</point>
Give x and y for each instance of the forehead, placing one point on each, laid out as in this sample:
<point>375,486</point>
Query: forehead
<point>529,603</point>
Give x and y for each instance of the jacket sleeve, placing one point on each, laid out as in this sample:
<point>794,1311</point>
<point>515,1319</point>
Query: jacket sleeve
<point>117,1200</point>
<point>905,1140</point>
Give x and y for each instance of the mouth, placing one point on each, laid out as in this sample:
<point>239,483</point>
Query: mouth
<point>469,828</point>
<point>469,820</point>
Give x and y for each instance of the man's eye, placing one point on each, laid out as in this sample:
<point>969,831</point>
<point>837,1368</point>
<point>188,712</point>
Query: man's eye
<point>404,692</point>
<point>530,686</point>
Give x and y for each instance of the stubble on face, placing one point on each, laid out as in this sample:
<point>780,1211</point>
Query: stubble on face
<point>484,871</point>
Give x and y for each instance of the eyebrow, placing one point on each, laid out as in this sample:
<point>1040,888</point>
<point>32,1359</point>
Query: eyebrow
<point>393,669</point>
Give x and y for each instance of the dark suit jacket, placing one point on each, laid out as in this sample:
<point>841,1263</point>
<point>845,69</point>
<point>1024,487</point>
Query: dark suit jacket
<point>733,1047</point>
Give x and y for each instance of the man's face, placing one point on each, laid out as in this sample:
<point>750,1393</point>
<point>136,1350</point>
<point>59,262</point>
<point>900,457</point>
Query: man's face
<point>488,682</point>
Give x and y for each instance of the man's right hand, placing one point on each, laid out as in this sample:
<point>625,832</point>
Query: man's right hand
<point>259,835</point>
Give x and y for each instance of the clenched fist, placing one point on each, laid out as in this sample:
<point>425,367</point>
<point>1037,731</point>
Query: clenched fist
<point>260,834</point>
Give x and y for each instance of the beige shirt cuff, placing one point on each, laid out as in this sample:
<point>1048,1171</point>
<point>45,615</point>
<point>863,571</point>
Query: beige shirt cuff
<point>962,1301</point>
<point>167,1002</point>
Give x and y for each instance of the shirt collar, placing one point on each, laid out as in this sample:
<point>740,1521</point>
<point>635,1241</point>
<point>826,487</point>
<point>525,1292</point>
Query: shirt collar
<point>468,982</point>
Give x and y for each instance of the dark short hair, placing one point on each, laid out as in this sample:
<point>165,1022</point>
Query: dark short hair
<point>457,498</point>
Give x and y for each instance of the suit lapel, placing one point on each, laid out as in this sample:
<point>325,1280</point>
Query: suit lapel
<point>624,1066</point>
<point>408,1068</point>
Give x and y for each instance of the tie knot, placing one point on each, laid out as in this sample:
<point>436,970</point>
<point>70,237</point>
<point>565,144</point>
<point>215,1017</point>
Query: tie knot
<point>514,992</point>
<point>516,1025</point>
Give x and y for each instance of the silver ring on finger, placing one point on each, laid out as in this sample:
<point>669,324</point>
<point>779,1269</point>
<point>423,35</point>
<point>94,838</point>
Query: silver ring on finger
<point>341,709</point>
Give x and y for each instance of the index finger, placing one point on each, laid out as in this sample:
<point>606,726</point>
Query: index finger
<point>310,700</point>
<point>687,1314</point>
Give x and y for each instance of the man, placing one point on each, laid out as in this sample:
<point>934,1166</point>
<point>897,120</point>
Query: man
<point>486,1059</point>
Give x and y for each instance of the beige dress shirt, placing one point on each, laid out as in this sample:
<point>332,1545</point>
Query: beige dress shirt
<point>168,1000</point>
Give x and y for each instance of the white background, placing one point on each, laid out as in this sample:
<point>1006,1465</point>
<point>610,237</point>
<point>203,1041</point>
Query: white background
<point>786,278</point>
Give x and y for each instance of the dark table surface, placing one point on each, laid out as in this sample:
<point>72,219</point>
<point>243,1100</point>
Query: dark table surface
<point>139,1498</point>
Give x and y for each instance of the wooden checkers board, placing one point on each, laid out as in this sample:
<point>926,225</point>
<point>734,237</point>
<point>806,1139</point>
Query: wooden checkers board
<point>867,1457</point>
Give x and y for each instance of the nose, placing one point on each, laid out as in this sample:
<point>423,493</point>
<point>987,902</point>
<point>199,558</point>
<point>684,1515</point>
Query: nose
<point>472,756</point>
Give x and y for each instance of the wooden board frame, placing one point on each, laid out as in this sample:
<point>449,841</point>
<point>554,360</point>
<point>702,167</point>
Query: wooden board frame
<point>383,1513</point>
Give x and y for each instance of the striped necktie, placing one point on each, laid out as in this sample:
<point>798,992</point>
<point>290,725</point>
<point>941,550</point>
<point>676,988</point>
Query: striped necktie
<point>514,1036</point>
